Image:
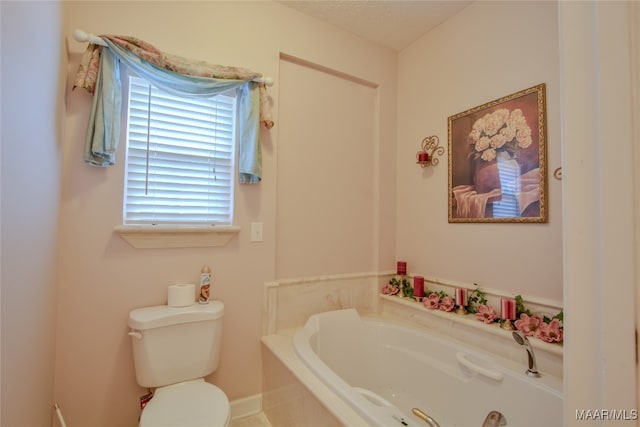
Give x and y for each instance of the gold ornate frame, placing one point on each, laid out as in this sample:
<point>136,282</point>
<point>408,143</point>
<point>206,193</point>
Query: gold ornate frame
<point>497,160</point>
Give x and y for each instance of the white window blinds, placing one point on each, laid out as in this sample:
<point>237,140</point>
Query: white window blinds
<point>180,158</point>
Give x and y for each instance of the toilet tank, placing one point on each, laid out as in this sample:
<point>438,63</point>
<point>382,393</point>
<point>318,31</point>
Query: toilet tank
<point>174,344</point>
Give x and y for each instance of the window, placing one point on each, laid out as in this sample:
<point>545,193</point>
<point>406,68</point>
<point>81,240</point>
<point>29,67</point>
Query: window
<point>180,158</point>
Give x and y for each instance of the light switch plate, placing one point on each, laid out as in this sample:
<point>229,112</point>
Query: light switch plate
<point>256,232</point>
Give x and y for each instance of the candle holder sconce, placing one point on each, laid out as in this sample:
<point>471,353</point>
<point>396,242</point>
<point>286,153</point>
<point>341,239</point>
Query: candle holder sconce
<point>430,148</point>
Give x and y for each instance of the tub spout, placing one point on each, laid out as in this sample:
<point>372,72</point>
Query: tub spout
<point>426,418</point>
<point>522,340</point>
<point>494,419</point>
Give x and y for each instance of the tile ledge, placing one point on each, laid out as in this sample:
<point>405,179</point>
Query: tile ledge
<point>470,321</point>
<point>314,279</point>
<point>172,236</point>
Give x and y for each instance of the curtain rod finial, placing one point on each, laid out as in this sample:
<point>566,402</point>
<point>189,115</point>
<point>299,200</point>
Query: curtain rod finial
<point>80,36</point>
<point>267,81</point>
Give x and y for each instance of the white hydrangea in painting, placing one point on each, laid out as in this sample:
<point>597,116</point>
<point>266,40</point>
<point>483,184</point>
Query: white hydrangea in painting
<point>501,130</point>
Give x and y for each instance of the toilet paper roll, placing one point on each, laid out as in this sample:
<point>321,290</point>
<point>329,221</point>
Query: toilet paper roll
<point>181,295</point>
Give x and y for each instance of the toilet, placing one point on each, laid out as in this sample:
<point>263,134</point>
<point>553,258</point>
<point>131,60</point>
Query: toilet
<point>174,348</point>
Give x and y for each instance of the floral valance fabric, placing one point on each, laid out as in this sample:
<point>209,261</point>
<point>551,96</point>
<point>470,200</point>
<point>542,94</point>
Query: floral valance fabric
<point>98,73</point>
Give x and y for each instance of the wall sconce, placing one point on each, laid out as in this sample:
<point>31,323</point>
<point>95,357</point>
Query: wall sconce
<point>430,147</point>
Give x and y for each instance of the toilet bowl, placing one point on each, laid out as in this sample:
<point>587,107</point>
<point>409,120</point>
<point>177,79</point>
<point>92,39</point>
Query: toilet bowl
<point>189,404</point>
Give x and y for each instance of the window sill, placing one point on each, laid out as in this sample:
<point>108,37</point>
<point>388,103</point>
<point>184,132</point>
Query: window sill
<point>169,236</point>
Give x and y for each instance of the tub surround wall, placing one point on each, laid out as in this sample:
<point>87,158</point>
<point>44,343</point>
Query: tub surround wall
<point>292,396</point>
<point>289,303</point>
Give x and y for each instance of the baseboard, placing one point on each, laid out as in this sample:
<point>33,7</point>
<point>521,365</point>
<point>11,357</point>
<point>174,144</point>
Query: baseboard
<point>246,406</point>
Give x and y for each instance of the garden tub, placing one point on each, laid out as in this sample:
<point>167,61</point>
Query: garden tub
<point>383,370</point>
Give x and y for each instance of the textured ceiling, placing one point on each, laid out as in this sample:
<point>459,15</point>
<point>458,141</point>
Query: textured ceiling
<point>391,23</point>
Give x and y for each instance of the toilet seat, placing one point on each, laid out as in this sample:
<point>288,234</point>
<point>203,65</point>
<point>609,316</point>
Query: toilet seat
<point>193,403</point>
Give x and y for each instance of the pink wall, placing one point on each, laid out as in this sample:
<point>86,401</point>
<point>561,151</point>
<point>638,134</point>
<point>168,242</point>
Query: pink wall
<point>488,50</point>
<point>31,115</point>
<point>102,278</point>
<point>326,212</point>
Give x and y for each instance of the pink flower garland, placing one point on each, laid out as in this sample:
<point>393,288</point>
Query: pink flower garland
<point>447,304</point>
<point>390,290</point>
<point>551,332</point>
<point>431,302</point>
<point>434,302</point>
<point>486,313</point>
<point>534,326</point>
<point>529,325</point>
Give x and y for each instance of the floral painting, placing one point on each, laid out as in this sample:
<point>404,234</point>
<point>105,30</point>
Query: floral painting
<point>497,160</point>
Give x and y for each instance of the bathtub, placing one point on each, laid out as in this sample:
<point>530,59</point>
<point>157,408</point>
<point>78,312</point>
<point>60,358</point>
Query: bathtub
<point>384,369</point>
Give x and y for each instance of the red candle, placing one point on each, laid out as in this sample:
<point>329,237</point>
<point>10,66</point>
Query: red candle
<point>418,286</point>
<point>461,297</point>
<point>402,268</point>
<point>508,308</point>
<point>423,156</point>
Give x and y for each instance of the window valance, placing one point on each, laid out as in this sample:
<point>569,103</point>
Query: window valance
<point>99,74</point>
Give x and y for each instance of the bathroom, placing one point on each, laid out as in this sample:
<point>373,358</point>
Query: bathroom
<point>69,281</point>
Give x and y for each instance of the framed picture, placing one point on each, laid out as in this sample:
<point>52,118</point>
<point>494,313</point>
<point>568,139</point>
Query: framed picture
<point>497,160</point>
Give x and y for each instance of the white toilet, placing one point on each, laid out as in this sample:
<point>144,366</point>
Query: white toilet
<point>174,348</point>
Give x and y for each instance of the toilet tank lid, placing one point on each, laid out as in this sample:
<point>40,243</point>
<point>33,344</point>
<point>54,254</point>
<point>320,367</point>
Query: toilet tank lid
<point>163,315</point>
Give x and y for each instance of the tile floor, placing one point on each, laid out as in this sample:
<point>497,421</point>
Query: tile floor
<point>258,420</point>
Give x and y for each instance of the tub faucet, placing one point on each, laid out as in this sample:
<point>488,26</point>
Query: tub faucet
<point>494,419</point>
<point>424,417</point>
<point>522,340</point>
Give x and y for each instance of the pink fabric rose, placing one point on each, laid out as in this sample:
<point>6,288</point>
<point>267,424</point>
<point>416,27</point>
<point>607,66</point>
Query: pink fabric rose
<point>447,304</point>
<point>486,313</point>
<point>390,290</point>
<point>550,332</point>
<point>432,301</point>
<point>528,325</point>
